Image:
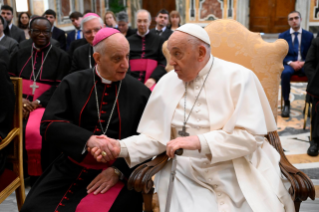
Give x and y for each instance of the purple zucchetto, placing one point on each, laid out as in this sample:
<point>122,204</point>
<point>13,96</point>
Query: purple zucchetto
<point>103,34</point>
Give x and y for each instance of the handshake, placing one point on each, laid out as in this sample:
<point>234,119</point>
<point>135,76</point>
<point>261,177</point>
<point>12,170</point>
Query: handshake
<point>103,148</point>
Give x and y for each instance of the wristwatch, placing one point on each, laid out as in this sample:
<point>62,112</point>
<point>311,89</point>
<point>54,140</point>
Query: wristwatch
<point>118,173</point>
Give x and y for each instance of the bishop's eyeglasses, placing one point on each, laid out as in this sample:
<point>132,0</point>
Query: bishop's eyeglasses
<point>38,32</point>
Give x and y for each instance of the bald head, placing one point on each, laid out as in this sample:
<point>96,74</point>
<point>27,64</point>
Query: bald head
<point>112,56</point>
<point>188,55</point>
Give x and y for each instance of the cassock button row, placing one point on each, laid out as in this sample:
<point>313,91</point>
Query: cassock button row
<point>104,103</point>
<point>197,87</point>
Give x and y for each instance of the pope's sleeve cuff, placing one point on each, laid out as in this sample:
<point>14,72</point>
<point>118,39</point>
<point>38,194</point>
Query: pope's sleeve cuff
<point>124,152</point>
<point>204,145</point>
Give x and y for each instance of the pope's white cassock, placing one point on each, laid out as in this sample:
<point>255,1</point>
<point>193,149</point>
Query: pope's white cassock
<point>237,169</point>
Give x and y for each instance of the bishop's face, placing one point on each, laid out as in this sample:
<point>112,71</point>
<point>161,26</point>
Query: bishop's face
<point>143,22</point>
<point>184,57</point>
<point>113,63</point>
<point>90,28</point>
<point>40,33</point>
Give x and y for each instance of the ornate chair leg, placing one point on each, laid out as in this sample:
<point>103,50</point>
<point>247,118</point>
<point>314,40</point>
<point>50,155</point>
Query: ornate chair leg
<point>148,198</point>
<point>297,203</point>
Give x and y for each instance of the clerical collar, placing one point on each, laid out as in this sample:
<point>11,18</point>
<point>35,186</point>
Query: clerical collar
<point>206,68</point>
<point>163,29</point>
<point>10,26</point>
<point>144,34</point>
<point>104,81</point>
<point>292,31</point>
<point>2,36</point>
<point>40,49</point>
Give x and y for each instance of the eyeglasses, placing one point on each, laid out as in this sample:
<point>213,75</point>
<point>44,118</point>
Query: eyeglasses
<point>38,32</point>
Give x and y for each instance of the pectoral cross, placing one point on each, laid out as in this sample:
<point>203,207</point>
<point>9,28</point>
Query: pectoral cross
<point>183,133</point>
<point>34,86</point>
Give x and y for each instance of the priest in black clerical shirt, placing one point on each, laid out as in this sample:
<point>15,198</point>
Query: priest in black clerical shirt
<point>42,67</point>
<point>147,62</point>
<point>87,106</point>
<point>82,57</point>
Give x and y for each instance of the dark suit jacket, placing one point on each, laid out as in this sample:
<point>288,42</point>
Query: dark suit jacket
<point>59,35</point>
<point>306,38</point>
<point>9,43</point>
<point>311,68</point>
<point>28,43</point>
<point>17,33</point>
<point>165,35</point>
<point>75,44</point>
<point>80,58</point>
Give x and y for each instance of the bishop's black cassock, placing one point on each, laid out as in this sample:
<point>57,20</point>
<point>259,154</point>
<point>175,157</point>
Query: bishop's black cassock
<point>55,67</point>
<point>147,47</point>
<point>70,119</point>
<point>82,58</point>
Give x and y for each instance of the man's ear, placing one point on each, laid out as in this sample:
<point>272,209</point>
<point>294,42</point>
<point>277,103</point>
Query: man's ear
<point>202,53</point>
<point>97,57</point>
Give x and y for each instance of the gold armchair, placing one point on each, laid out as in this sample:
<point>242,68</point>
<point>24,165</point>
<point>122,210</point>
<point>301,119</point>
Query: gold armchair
<point>13,180</point>
<point>233,42</point>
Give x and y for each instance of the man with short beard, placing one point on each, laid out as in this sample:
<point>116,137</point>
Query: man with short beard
<point>12,30</point>
<point>162,20</point>
<point>82,57</point>
<point>9,43</point>
<point>76,34</point>
<point>42,67</point>
<point>87,106</point>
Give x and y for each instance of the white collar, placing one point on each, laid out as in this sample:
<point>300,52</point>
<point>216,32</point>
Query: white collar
<point>10,26</point>
<point>206,68</point>
<point>2,37</point>
<point>144,34</point>
<point>163,29</point>
<point>105,81</point>
<point>292,31</point>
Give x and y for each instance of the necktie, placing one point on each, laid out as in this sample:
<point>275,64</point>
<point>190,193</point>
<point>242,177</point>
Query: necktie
<point>78,36</point>
<point>159,32</point>
<point>296,43</point>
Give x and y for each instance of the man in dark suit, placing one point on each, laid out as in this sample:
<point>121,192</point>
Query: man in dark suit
<point>11,30</point>
<point>162,20</point>
<point>299,41</point>
<point>76,18</point>
<point>9,43</point>
<point>57,34</point>
<point>122,22</point>
<point>312,71</point>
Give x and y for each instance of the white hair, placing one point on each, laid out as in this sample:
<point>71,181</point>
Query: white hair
<point>195,42</point>
<point>142,10</point>
<point>91,17</point>
<point>99,48</point>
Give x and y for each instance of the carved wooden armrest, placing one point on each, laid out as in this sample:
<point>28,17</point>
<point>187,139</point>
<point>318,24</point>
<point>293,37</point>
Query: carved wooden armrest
<point>301,185</point>
<point>141,178</point>
<point>11,135</point>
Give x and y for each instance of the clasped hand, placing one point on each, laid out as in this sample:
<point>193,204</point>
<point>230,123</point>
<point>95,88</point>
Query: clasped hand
<point>98,144</point>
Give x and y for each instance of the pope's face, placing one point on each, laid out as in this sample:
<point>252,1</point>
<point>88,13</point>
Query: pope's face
<point>90,28</point>
<point>184,57</point>
<point>114,62</point>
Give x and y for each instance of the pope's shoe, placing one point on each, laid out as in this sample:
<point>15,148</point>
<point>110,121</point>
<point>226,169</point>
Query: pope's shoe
<point>286,110</point>
<point>313,149</point>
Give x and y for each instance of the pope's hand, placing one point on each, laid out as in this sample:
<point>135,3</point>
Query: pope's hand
<point>103,182</point>
<point>189,142</point>
<point>111,149</point>
<point>149,83</point>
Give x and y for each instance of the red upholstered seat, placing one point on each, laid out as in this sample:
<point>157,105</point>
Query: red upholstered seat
<point>6,178</point>
<point>296,78</point>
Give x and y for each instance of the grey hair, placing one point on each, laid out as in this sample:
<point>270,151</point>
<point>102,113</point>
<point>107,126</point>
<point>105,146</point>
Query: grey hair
<point>86,19</point>
<point>142,10</point>
<point>99,48</point>
<point>195,42</point>
<point>122,16</point>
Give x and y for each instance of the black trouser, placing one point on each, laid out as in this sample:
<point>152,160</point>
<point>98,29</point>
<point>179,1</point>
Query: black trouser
<point>315,119</point>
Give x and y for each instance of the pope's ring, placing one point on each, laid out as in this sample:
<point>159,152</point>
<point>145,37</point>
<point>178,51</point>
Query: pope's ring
<point>24,105</point>
<point>103,153</point>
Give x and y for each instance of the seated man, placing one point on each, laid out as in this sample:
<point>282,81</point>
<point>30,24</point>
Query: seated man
<point>82,57</point>
<point>11,30</point>
<point>147,62</point>
<point>161,28</point>
<point>5,41</point>
<point>42,67</point>
<point>312,71</point>
<point>299,41</point>
<point>210,108</point>
<point>122,22</point>
<point>86,106</point>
